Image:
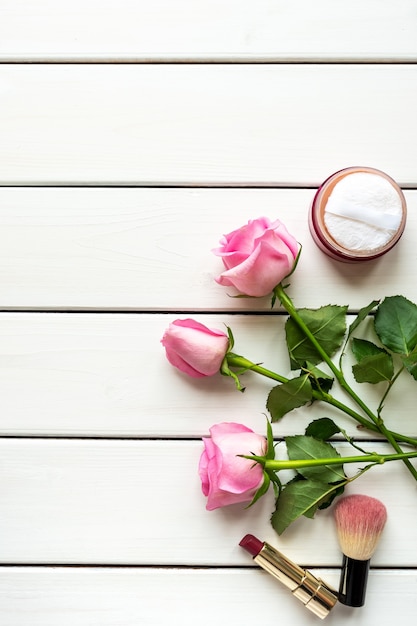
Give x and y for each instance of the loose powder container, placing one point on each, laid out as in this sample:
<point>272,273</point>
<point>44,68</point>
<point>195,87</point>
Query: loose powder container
<point>357,214</point>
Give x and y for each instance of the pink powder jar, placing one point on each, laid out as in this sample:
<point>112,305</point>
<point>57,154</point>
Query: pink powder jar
<point>357,214</point>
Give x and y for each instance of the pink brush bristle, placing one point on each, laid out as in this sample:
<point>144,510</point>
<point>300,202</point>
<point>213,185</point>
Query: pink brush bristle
<point>360,521</point>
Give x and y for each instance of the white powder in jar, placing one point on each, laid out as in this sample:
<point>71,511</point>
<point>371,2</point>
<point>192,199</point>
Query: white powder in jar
<point>363,212</point>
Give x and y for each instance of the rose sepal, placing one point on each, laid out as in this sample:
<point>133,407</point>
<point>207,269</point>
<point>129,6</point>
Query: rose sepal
<point>280,286</point>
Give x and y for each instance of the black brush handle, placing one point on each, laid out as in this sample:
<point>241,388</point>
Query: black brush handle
<point>353,579</point>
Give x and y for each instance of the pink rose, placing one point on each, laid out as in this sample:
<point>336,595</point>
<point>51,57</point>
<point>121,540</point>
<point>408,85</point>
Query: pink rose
<point>225,477</point>
<point>257,256</point>
<point>195,349</point>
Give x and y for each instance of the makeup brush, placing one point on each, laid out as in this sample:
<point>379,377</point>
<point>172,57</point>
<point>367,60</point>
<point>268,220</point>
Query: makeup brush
<point>360,521</point>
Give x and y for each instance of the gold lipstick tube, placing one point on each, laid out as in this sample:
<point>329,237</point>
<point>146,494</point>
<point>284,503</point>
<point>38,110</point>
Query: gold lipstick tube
<point>316,596</point>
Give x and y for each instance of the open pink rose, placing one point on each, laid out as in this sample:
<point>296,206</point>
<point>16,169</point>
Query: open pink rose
<point>195,349</point>
<point>257,256</point>
<point>225,477</point>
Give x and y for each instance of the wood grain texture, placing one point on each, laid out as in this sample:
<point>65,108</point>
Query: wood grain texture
<point>105,597</point>
<point>249,106</point>
<point>205,124</point>
<point>140,503</point>
<point>231,30</point>
<point>107,375</point>
<point>150,249</point>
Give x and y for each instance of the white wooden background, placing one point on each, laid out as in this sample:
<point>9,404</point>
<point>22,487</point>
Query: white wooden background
<point>132,135</point>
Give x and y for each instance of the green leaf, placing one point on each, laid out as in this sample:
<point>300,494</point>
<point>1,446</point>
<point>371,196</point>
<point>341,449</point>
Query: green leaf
<point>374,365</point>
<point>362,348</point>
<point>326,502</point>
<point>410,362</point>
<point>396,324</point>
<point>306,447</point>
<point>318,378</point>
<point>362,315</point>
<point>322,428</point>
<point>288,396</point>
<point>374,369</point>
<point>299,497</point>
<point>327,324</point>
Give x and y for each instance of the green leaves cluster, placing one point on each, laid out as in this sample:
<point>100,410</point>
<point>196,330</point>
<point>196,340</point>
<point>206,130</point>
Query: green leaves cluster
<point>328,325</point>
<point>312,488</point>
<point>394,349</point>
<point>319,474</point>
<point>395,327</point>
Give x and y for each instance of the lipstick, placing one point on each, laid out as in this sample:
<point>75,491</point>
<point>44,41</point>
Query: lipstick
<point>311,591</point>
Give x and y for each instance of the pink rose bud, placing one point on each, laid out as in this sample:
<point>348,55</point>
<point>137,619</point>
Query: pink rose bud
<point>257,256</point>
<point>227,478</point>
<point>195,349</point>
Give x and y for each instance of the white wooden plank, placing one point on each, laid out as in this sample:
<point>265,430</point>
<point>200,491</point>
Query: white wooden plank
<point>102,375</point>
<point>105,597</point>
<point>150,249</point>
<point>205,124</point>
<point>207,29</point>
<point>140,502</point>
